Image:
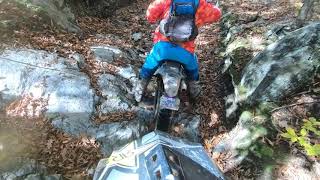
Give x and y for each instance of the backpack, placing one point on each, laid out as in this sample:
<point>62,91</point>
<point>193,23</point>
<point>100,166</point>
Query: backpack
<point>180,25</point>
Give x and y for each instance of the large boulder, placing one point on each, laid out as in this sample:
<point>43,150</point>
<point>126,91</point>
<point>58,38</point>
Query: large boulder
<point>38,14</point>
<point>35,14</point>
<point>280,70</point>
<point>283,68</point>
<point>35,83</point>
<point>244,36</point>
<point>238,142</point>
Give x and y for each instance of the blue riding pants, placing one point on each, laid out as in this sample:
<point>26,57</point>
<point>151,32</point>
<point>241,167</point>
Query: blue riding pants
<point>163,51</point>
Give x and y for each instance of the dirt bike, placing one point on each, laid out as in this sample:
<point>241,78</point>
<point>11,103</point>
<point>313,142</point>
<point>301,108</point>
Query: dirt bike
<point>171,83</point>
<point>157,155</point>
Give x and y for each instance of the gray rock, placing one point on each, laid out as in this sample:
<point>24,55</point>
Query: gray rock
<point>113,104</point>
<point>22,168</point>
<point>115,91</point>
<point>130,76</point>
<point>279,31</point>
<point>242,136</point>
<point>110,135</point>
<point>42,83</point>
<point>107,53</point>
<point>114,135</point>
<point>52,12</point>
<point>128,73</point>
<point>229,27</point>
<point>190,126</point>
<point>237,53</point>
<point>73,124</point>
<point>191,131</point>
<point>79,61</point>
<point>34,177</point>
<point>53,177</point>
<point>28,169</point>
<point>60,14</point>
<point>238,141</point>
<point>239,47</point>
<point>137,36</point>
<point>281,69</point>
<point>133,54</point>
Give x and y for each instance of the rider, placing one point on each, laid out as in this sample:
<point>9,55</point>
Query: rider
<point>182,52</point>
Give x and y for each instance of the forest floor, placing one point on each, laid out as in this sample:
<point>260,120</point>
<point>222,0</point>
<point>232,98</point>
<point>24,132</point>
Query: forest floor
<point>72,156</point>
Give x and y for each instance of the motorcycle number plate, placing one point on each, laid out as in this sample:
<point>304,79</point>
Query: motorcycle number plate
<point>169,103</point>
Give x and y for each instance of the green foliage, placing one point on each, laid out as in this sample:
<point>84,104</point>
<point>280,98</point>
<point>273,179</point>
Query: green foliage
<point>255,123</point>
<point>242,90</point>
<point>290,134</point>
<point>265,108</point>
<point>257,132</point>
<point>311,125</point>
<point>310,129</point>
<point>266,151</point>
<point>262,150</point>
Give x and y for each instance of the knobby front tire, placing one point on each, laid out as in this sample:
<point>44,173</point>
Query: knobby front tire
<point>162,116</point>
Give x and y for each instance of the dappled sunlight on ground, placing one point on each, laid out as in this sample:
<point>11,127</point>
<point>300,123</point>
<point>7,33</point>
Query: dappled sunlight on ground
<point>37,139</point>
<point>17,140</point>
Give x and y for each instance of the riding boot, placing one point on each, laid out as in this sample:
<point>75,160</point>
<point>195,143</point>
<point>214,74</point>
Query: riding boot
<point>194,89</point>
<point>140,88</point>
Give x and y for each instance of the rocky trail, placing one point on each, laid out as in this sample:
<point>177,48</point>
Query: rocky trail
<point>67,130</point>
